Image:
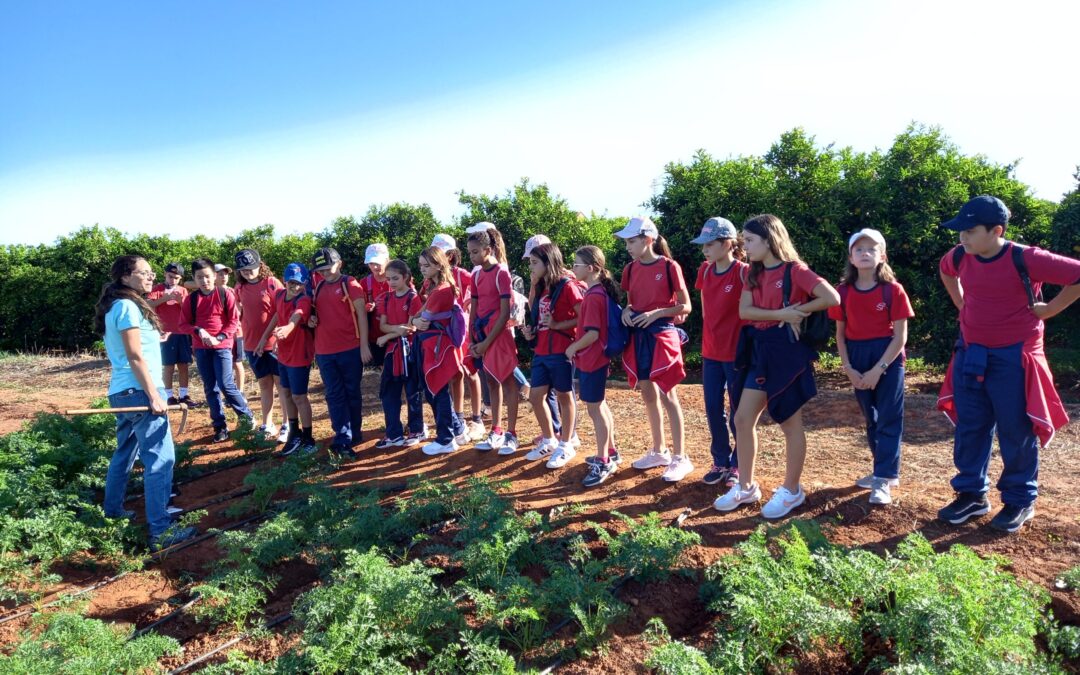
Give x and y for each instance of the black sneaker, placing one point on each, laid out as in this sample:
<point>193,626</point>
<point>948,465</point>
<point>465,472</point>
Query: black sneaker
<point>221,435</point>
<point>343,451</point>
<point>291,446</point>
<point>125,514</point>
<point>717,474</point>
<point>1010,518</point>
<point>599,472</point>
<point>186,400</point>
<point>966,505</point>
<point>172,537</point>
<point>172,401</point>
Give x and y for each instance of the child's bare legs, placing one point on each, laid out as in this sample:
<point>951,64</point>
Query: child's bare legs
<point>185,375</point>
<point>474,395</point>
<point>603,431</point>
<point>289,404</point>
<point>673,408</point>
<point>302,405</point>
<point>495,396</point>
<point>795,441</point>
<point>166,376</point>
<point>568,410</point>
<point>512,393</point>
<point>610,420</point>
<point>457,392</point>
<point>543,415</point>
<point>650,393</point>
<point>266,398</point>
<point>751,405</point>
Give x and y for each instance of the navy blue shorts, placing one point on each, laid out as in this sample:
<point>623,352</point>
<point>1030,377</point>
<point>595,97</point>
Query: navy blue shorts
<point>177,349</point>
<point>752,380</point>
<point>237,348</point>
<point>294,378</point>
<point>591,385</point>
<point>552,370</point>
<point>262,365</point>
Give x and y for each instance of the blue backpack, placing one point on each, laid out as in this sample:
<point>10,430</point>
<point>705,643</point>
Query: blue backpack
<point>452,321</point>
<point>618,335</point>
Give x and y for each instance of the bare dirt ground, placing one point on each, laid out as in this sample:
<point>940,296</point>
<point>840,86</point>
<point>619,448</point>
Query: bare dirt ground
<point>836,457</point>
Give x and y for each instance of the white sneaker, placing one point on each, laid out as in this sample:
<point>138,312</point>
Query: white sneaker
<point>652,459</point>
<point>782,502</point>
<point>562,456</point>
<point>543,449</point>
<point>437,448</point>
<point>736,496</point>
<point>493,441</point>
<point>867,482</point>
<point>880,493</point>
<point>477,432</point>
<point>463,438</point>
<point>510,444</point>
<point>283,433</point>
<point>575,441</point>
<point>678,469</point>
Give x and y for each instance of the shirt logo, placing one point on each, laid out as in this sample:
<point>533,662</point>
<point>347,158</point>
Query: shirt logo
<point>780,284</point>
<point>881,307</point>
<point>659,276</point>
<point>727,289</point>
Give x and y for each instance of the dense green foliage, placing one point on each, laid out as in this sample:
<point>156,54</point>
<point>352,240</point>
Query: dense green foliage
<point>822,193</point>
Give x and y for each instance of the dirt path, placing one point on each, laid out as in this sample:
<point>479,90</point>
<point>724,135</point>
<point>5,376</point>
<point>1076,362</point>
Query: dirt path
<point>836,456</point>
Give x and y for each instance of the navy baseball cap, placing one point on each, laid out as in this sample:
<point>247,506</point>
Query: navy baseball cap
<point>716,228</point>
<point>248,259</point>
<point>175,268</point>
<point>981,210</point>
<point>296,272</point>
<point>324,258</point>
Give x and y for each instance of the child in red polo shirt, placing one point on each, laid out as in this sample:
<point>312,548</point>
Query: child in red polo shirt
<point>871,331</point>
<point>395,309</point>
<point>376,257</point>
<point>167,299</point>
<point>255,289</point>
<point>998,377</point>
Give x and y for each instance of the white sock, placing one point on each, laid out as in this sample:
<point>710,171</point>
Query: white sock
<point>183,392</point>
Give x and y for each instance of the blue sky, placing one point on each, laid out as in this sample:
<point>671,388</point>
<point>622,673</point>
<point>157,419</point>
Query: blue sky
<point>215,117</point>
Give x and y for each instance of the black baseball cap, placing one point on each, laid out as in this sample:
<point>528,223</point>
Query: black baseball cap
<point>324,258</point>
<point>981,210</point>
<point>175,268</point>
<point>248,259</point>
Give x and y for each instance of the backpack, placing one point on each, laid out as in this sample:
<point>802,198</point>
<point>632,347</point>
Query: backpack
<point>345,295</point>
<point>1017,254</point>
<point>519,303</point>
<point>670,285</point>
<point>280,295</point>
<point>886,294</point>
<point>816,330</point>
<point>195,302</point>
<point>618,335</point>
<point>454,326</point>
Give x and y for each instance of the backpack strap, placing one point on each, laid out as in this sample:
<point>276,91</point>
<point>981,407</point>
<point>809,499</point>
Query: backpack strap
<point>787,283</point>
<point>670,282</point>
<point>194,305</point>
<point>886,295</point>
<point>1021,269</point>
<point>843,290</point>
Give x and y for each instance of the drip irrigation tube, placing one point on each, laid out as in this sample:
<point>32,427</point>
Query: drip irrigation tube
<point>281,618</point>
<point>64,598</point>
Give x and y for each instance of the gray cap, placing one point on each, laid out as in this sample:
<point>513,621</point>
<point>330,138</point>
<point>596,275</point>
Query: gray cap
<point>715,228</point>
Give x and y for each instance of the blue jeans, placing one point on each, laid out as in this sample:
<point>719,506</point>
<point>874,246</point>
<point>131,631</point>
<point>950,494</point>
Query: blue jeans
<point>883,406</point>
<point>442,407</point>
<point>390,393</point>
<point>718,376</point>
<point>216,371</point>
<point>997,402</point>
<point>146,437</point>
<point>341,376</point>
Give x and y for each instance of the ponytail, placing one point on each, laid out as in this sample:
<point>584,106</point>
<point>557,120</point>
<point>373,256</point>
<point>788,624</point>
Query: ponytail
<point>594,257</point>
<point>660,246</point>
<point>493,240</point>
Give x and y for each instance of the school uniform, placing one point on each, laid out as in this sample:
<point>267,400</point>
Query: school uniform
<point>373,289</point>
<point>438,359</point>
<point>769,358</point>
<point>257,303</point>
<point>592,363</point>
<point>295,352</point>
<point>654,353</point>
<point>222,320</point>
<point>488,289</point>
<point>397,372</point>
<point>550,367</point>
<point>868,317</point>
<point>998,377</point>
<point>721,325</point>
<point>337,351</point>
<point>177,347</point>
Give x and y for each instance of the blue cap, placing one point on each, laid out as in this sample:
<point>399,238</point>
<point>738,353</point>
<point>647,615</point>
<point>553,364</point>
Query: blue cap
<point>981,210</point>
<point>715,228</point>
<point>296,272</point>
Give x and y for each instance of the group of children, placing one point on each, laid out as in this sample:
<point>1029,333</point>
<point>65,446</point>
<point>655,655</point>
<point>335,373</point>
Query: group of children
<point>456,330</point>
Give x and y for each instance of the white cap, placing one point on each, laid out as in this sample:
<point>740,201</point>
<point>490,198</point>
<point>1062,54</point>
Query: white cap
<point>482,226</point>
<point>444,242</point>
<point>869,233</point>
<point>533,242</point>
<point>638,226</point>
<point>377,253</point>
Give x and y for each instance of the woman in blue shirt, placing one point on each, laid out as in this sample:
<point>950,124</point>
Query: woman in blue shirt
<point>132,341</point>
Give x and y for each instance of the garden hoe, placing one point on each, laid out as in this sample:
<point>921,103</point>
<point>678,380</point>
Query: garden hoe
<point>97,411</point>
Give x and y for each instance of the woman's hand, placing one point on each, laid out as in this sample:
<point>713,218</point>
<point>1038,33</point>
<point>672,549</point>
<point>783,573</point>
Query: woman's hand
<point>421,323</point>
<point>383,339</point>
<point>645,319</point>
<point>157,404</point>
<point>627,313</point>
<point>854,376</point>
<point>365,354</point>
<point>792,314</point>
<point>871,377</point>
<point>571,352</point>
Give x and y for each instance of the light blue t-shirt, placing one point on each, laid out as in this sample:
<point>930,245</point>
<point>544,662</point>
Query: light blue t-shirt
<point>125,314</point>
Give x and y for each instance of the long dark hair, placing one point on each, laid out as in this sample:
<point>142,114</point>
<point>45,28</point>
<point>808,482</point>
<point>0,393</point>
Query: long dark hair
<point>401,268</point>
<point>491,239</point>
<point>594,257</point>
<point>118,290</point>
<point>264,273</point>
<point>551,257</point>
<point>771,229</point>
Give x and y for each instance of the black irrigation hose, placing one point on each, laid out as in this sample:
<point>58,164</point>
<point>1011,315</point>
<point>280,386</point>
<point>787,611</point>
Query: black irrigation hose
<point>191,479</point>
<point>165,619</point>
<point>64,598</point>
<point>281,618</point>
<point>218,500</point>
<point>206,535</point>
<point>561,660</point>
